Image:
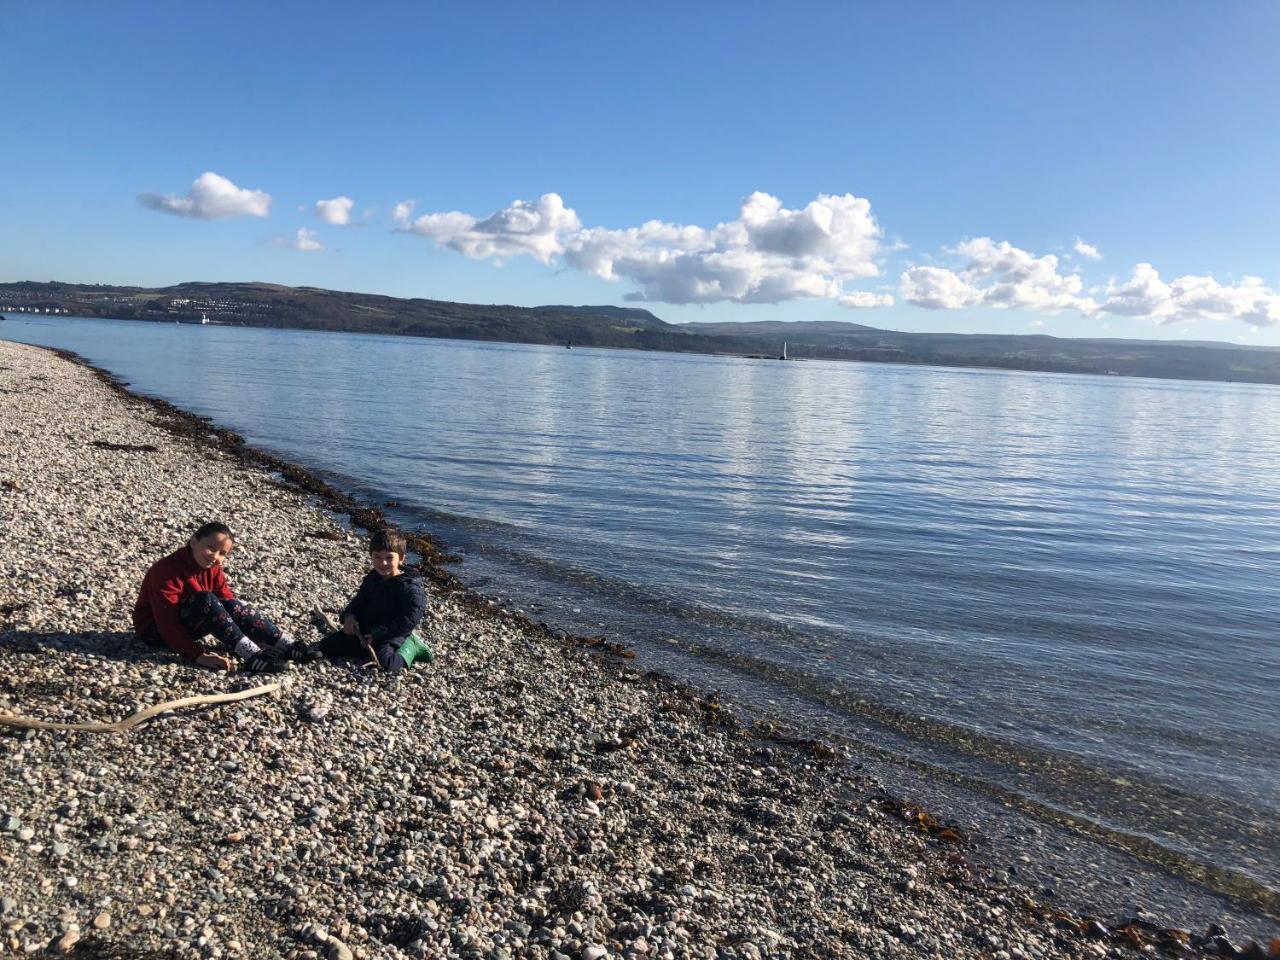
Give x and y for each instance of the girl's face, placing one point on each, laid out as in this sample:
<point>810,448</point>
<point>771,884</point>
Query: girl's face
<point>210,551</point>
<point>386,562</point>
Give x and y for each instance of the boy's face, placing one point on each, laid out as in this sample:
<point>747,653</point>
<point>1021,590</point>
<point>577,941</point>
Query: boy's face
<point>386,562</point>
<point>210,551</point>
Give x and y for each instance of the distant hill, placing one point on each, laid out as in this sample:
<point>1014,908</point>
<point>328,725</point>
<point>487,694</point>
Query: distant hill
<point>782,329</point>
<point>313,308</point>
<point>629,315</point>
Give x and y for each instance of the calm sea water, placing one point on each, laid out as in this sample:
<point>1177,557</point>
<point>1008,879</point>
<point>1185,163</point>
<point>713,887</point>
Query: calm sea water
<point>1063,587</point>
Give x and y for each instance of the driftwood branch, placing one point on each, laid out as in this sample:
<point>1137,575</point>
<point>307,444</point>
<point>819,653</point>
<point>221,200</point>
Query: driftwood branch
<point>142,716</point>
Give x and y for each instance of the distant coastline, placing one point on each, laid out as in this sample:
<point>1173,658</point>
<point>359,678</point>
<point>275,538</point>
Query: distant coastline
<point>311,308</point>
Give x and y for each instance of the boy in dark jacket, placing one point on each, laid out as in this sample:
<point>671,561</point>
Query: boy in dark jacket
<point>379,621</point>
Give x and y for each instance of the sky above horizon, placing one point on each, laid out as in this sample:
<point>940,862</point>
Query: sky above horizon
<point>1082,169</point>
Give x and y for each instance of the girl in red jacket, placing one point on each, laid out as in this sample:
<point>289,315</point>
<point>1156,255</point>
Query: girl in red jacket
<point>186,596</point>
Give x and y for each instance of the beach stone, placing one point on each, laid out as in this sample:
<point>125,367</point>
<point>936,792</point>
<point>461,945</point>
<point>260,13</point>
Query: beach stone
<point>66,943</point>
<point>102,921</point>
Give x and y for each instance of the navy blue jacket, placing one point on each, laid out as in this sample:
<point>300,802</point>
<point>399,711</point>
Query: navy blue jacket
<point>388,607</point>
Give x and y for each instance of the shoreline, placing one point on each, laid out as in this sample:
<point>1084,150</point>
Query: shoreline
<point>802,884</point>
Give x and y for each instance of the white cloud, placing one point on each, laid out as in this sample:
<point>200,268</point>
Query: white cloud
<point>403,210</point>
<point>860,299</point>
<point>211,197</point>
<point>1087,250</point>
<point>336,211</point>
<point>769,254</point>
<point>995,275</point>
<point>1015,278</point>
<point>529,228</point>
<point>937,289</point>
<point>304,240</point>
<point>1190,298</point>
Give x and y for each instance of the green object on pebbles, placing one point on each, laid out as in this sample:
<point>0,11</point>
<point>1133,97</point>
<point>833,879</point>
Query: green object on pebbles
<point>414,648</point>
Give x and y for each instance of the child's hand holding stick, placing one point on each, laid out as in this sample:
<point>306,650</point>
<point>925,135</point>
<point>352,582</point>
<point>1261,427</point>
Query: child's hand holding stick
<point>373,655</point>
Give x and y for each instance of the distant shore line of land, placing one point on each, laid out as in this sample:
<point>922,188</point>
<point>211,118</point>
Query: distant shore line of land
<point>310,308</point>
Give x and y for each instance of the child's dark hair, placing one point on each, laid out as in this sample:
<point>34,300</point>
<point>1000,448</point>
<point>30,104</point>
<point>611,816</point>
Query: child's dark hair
<point>387,539</point>
<point>209,529</point>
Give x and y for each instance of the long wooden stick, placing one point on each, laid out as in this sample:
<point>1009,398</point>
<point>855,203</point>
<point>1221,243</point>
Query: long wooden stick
<point>129,722</point>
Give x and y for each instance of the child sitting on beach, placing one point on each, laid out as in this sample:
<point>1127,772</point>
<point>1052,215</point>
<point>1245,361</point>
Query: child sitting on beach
<point>379,621</point>
<point>186,596</point>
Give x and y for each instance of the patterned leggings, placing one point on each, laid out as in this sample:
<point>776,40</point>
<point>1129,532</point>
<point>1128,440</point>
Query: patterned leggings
<point>228,621</point>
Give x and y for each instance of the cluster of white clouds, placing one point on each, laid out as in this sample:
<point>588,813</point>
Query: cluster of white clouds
<point>771,254</point>
<point>532,228</point>
<point>1191,298</point>
<point>211,197</point>
<point>214,197</point>
<point>995,275</point>
<point>768,254</point>
<point>1003,276</point>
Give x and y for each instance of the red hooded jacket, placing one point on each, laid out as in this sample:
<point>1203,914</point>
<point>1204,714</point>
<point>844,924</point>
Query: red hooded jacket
<point>163,588</point>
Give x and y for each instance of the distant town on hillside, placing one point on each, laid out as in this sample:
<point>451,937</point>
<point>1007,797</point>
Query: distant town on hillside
<point>310,308</point>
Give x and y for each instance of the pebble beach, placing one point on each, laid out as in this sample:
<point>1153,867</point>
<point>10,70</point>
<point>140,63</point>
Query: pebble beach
<point>525,795</point>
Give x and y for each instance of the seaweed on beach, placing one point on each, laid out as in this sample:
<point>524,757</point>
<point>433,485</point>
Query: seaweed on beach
<point>608,646</point>
<point>127,447</point>
<point>924,821</point>
<point>95,949</point>
<point>324,534</point>
<point>1148,937</point>
<point>768,730</point>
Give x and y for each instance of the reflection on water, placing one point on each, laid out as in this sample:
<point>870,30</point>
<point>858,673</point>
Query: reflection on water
<point>1080,568</point>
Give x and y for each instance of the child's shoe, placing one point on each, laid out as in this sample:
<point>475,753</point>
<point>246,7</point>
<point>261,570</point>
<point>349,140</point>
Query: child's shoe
<point>413,648</point>
<point>264,663</point>
<point>302,653</point>
<point>293,651</point>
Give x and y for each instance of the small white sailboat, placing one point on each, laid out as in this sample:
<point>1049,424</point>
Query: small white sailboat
<point>204,318</point>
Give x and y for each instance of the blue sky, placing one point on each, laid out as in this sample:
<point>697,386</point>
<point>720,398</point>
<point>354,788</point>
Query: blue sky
<point>1079,169</point>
